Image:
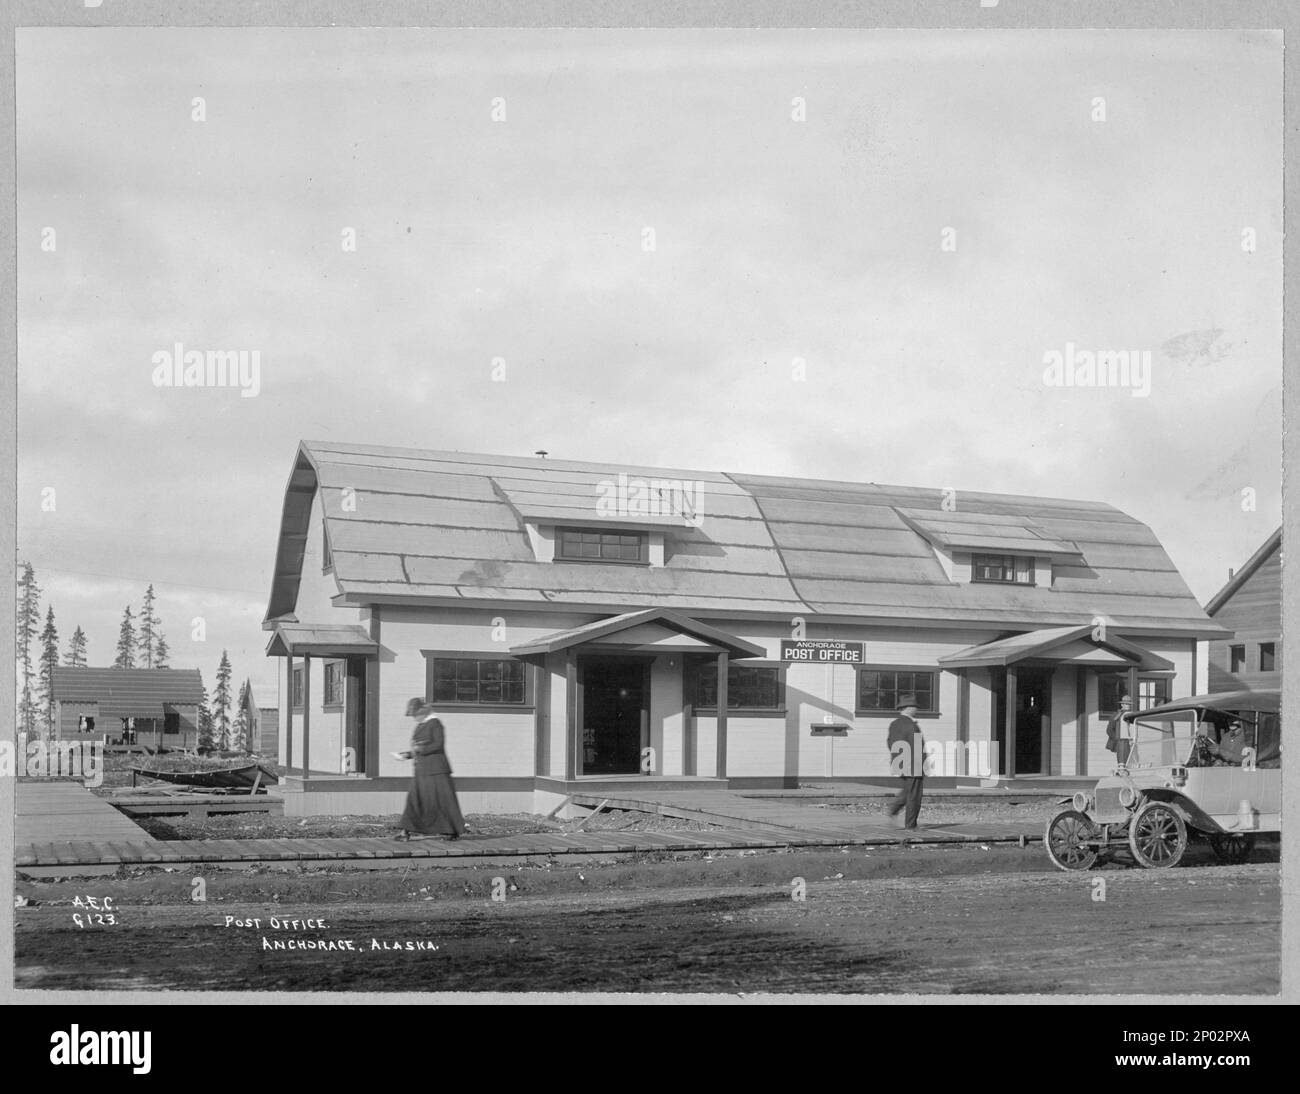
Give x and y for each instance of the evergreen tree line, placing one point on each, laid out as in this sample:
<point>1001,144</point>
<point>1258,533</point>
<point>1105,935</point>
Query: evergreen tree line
<point>217,729</point>
<point>38,654</point>
<point>141,643</point>
<point>38,651</point>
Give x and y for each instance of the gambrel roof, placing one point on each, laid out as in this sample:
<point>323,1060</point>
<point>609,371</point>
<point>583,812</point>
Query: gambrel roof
<point>412,526</point>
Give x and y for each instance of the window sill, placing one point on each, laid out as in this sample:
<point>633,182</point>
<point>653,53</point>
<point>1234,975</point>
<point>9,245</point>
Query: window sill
<point>920,714</point>
<point>741,712</point>
<point>603,561</point>
<point>331,707</point>
<point>511,708</point>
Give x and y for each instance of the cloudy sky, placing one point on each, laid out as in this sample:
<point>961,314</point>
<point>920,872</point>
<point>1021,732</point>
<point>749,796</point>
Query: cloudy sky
<point>504,188</point>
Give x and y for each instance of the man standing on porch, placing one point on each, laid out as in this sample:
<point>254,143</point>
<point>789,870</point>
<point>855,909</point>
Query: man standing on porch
<point>1119,734</point>
<point>907,757</point>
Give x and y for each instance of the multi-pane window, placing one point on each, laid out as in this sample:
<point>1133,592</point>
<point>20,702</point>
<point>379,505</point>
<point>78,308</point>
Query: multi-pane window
<point>749,687</point>
<point>1152,691</point>
<point>1002,568</point>
<point>477,680</point>
<point>1236,658</point>
<point>1267,656</point>
<point>334,677</point>
<point>881,688</point>
<point>297,689</point>
<point>596,546</point>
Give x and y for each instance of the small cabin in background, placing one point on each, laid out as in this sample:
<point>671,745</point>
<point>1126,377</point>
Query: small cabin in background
<point>263,725</point>
<point>1250,605</point>
<point>128,708</point>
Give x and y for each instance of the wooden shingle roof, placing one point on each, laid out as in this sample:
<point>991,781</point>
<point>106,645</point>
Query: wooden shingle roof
<point>128,693</point>
<point>408,526</point>
<point>1238,579</point>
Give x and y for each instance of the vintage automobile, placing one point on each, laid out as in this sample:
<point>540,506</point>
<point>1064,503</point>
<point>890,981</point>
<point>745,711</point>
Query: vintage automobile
<point>1209,765</point>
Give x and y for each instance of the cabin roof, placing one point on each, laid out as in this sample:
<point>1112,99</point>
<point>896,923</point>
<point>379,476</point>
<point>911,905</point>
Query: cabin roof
<point>414,526</point>
<point>128,693</point>
<point>1219,599</point>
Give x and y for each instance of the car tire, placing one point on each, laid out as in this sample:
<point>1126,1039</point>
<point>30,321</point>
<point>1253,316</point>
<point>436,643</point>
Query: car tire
<point>1065,840</point>
<point>1157,836</point>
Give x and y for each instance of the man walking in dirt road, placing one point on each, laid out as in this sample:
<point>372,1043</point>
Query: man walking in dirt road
<point>907,759</point>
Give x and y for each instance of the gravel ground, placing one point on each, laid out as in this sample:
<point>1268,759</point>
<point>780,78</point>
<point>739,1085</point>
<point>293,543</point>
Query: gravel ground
<point>263,826</point>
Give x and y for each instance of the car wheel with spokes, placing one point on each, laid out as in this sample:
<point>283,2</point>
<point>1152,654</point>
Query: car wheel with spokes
<point>1157,836</point>
<point>1232,848</point>
<point>1068,840</point>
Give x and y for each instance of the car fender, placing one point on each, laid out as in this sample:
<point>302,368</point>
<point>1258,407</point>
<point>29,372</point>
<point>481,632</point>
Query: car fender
<point>1191,814</point>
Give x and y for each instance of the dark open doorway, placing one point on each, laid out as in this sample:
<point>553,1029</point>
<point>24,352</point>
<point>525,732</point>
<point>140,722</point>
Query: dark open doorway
<point>615,714</point>
<point>1033,718</point>
<point>355,718</point>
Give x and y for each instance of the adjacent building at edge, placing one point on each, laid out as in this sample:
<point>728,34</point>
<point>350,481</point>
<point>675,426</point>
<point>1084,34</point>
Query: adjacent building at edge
<point>1250,605</point>
<point>579,626</point>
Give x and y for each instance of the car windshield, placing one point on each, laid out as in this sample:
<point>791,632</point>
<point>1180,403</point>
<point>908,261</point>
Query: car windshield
<point>1163,740</point>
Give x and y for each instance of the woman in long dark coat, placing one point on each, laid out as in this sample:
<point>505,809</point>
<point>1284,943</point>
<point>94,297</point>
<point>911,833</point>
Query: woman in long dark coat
<point>431,805</point>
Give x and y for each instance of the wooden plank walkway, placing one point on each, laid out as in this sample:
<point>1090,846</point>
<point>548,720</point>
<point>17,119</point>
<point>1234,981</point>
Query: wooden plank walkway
<point>80,835</point>
<point>470,848</point>
<point>55,810</point>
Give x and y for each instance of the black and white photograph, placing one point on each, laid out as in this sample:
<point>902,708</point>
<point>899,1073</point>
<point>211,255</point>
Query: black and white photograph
<point>708,512</point>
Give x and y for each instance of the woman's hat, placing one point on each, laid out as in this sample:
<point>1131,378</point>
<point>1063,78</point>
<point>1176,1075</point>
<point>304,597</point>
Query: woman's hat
<point>415,706</point>
<point>906,701</point>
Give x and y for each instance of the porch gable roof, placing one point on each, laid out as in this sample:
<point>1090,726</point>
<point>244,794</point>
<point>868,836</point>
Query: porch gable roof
<point>663,617</point>
<point>1051,643</point>
<point>320,639</point>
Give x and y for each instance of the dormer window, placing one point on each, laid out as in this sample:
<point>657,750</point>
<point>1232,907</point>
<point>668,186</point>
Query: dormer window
<point>595,545</point>
<point>1006,569</point>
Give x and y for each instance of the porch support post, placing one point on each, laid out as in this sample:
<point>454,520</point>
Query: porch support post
<point>1133,685</point>
<point>1011,720</point>
<point>688,717</point>
<point>722,715</point>
<point>572,737</point>
<point>1081,720</point>
<point>288,703</point>
<point>306,716</point>
<point>963,705</point>
<point>541,716</point>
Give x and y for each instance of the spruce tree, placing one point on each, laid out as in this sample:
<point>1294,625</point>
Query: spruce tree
<point>76,655</point>
<point>205,718</point>
<point>29,625</point>
<point>161,653</point>
<point>125,642</point>
<point>49,660</point>
<point>239,731</point>
<point>147,633</point>
<point>221,703</point>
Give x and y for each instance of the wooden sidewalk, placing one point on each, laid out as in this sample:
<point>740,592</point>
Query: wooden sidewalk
<point>69,826</point>
<point>62,810</point>
<point>470,848</point>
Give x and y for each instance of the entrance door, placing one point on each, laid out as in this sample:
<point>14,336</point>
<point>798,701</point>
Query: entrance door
<point>1033,711</point>
<point>1033,704</point>
<point>615,715</point>
<point>354,730</point>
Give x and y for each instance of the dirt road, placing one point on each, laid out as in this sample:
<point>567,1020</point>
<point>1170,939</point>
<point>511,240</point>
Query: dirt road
<point>954,926</point>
